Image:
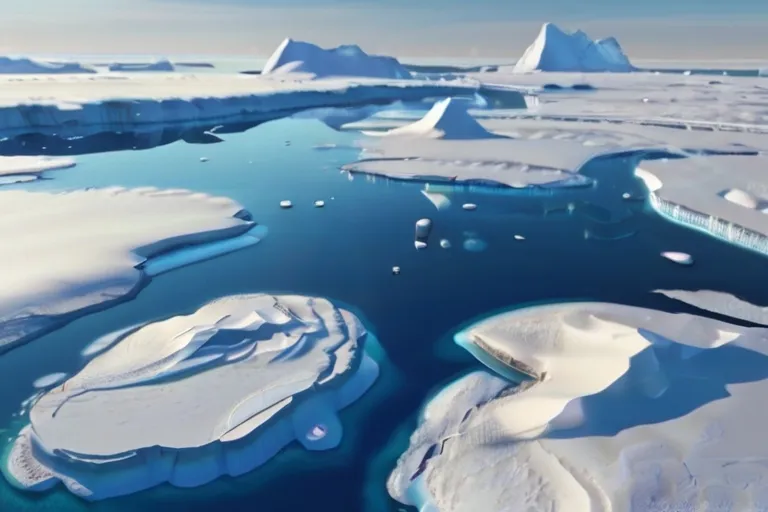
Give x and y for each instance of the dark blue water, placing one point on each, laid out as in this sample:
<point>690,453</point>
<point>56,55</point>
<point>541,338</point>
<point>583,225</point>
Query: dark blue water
<point>345,252</point>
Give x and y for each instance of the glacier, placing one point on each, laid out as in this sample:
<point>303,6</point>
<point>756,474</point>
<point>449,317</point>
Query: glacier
<point>101,249</point>
<point>534,431</point>
<point>347,60</point>
<point>556,50</point>
<point>191,398</point>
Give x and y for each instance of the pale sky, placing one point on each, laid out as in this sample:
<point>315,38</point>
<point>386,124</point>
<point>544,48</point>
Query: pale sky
<point>647,29</point>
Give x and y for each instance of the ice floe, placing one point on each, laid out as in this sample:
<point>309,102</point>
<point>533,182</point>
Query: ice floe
<point>727,201</point>
<point>191,398</point>
<point>29,168</point>
<point>556,50</point>
<point>347,60</point>
<point>76,251</point>
<point>682,258</point>
<point>139,67</point>
<point>720,302</point>
<point>26,66</point>
<point>555,441</point>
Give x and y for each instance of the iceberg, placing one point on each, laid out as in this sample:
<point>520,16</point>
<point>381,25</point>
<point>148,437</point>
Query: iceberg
<point>572,415</point>
<point>556,50</point>
<point>728,201</point>
<point>26,66</point>
<point>30,168</point>
<point>78,251</point>
<point>346,60</point>
<point>192,398</point>
<point>139,67</point>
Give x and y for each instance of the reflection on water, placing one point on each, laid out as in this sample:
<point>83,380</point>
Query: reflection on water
<point>346,251</point>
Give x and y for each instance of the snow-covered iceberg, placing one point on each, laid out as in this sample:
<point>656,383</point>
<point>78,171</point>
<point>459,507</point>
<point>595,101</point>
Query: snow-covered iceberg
<point>556,50</point>
<point>346,60</point>
<point>191,398</point>
<point>29,168</point>
<point>447,119</point>
<point>620,408</point>
<point>69,253</point>
<point>26,66</point>
<point>729,201</point>
<point>138,67</point>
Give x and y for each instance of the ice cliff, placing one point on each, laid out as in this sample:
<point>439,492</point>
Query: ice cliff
<point>556,50</point>
<point>191,398</point>
<point>346,60</point>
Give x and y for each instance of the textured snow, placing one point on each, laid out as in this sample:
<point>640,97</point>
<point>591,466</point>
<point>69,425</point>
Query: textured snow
<point>556,50</point>
<point>79,105</point>
<point>26,66</point>
<point>32,166</point>
<point>346,60</point>
<point>549,445</point>
<point>191,398</point>
<point>83,249</point>
<point>728,201</point>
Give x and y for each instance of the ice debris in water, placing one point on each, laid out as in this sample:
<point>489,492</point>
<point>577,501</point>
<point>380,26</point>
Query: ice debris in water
<point>286,204</point>
<point>319,204</point>
<point>678,257</point>
<point>469,206</point>
<point>445,243</point>
<point>396,271</point>
<point>203,158</point>
<point>420,245</point>
<point>519,237</point>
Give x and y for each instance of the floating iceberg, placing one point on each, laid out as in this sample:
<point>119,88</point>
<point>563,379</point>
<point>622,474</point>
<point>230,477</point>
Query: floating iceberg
<point>447,119</point>
<point>728,201</point>
<point>191,398</point>
<point>556,50</point>
<point>31,167</point>
<point>138,67</point>
<point>347,60</point>
<point>25,66</point>
<point>76,251</point>
<point>578,417</point>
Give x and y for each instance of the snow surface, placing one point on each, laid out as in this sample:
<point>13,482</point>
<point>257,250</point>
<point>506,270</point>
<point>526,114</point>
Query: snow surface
<point>720,302</point>
<point>191,398</point>
<point>75,251</point>
<point>26,66</point>
<point>729,200</point>
<point>79,105</point>
<point>556,442</point>
<point>346,60</point>
<point>556,50</point>
<point>31,167</point>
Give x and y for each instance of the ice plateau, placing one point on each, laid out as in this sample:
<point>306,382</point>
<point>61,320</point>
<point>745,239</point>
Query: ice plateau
<point>556,50</point>
<point>347,60</point>
<point>191,398</point>
<point>76,251</point>
<point>26,66</point>
<point>595,407</point>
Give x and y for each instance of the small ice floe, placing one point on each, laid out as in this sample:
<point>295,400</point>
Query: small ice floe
<point>682,258</point>
<point>519,237</point>
<point>396,271</point>
<point>317,432</point>
<point>203,158</point>
<point>687,73</point>
<point>626,195</point>
<point>469,206</point>
<point>475,245</point>
<point>286,204</point>
<point>445,243</point>
<point>48,381</point>
<point>319,204</point>
<point>420,245</point>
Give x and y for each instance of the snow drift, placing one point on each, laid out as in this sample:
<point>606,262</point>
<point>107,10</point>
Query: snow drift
<point>346,60</point>
<point>25,66</point>
<point>556,50</point>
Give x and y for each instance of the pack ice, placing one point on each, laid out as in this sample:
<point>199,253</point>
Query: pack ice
<point>347,60</point>
<point>556,50</point>
<point>191,398</point>
<point>595,407</point>
<point>76,251</point>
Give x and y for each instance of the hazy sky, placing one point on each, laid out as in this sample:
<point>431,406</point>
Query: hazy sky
<point>667,29</point>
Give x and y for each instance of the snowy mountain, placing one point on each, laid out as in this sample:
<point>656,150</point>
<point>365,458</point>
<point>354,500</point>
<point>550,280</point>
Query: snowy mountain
<point>25,66</point>
<point>346,60</point>
<point>447,119</point>
<point>556,50</point>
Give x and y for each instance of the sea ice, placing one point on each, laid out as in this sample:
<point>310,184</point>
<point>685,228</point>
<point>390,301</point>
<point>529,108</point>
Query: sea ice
<point>469,206</point>
<point>138,67</point>
<point>445,243</point>
<point>29,168</point>
<point>720,302</point>
<point>191,398</point>
<point>682,258</point>
<point>25,66</point>
<point>347,60</point>
<point>590,427</point>
<point>319,204</point>
<point>286,204</point>
<point>555,50</point>
<point>79,250</point>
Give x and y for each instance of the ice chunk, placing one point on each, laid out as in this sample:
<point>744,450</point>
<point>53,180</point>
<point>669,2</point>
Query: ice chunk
<point>555,50</point>
<point>420,245</point>
<point>445,243</point>
<point>90,245</point>
<point>441,201</point>
<point>204,159</point>
<point>678,257</point>
<point>347,60</point>
<point>191,398</point>
<point>519,237</point>
<point>469,206</point>
<point>396,271</point>
<point>286,204</point>
<point>50,380</point>
<point>138,67</point>
<point>423,228</point>
<point>319,204</point>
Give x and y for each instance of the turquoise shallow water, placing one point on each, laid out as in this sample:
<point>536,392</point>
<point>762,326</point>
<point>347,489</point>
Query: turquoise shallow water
<point>345,252</point>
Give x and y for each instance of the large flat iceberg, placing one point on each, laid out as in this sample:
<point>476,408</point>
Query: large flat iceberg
<point>67,253</point>
<point>28,168</point>
<point>612,413</point>
<point>191,398</point>
<point>26,66</point>
<point>556,50</point>
<point>347,60</point>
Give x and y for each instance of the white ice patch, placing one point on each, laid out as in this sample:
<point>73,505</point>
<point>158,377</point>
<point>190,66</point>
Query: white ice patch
<point>19,169</point>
